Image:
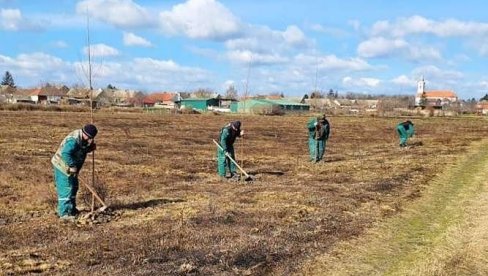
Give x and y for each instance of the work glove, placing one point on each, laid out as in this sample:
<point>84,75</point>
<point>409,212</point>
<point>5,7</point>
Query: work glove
<point>241,133</point>
<point>92,147</point>
<point>315,124</point>
<point>72,170</point>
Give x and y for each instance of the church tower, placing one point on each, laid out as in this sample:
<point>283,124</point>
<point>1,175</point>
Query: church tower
<point>420,91</point>
<point>421,86</point>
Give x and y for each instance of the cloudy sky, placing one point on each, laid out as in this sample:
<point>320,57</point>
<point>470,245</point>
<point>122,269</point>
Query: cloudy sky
<point>288,46</point>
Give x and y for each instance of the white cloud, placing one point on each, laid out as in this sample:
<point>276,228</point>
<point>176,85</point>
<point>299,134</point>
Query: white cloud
<point>120,13</point>
<point>245,56</point>
<point>29,70</point>
<point>418,25</point>
<point>152,74</point>
<point>432,72</point>
<point>203,19</point>
<point>423,53</point>
<point>403,80</point>
<point>36,67</point>
<point>227,84</point>
<point>372,82</point>
<point>100,50</point>
<point>294,36</point>
<point>437,78</point>
<point>336,32</point>
<point>474,32</point>
<point>131,39</point>
<point>12,20</point>
<point>483,84</point>
<point>380,47</point>
<point>482,46</point>
<point>262,45</point>
<point>167,73</point>
<point>360,82</point>
<point>263,39</point>
<point>331,63</point>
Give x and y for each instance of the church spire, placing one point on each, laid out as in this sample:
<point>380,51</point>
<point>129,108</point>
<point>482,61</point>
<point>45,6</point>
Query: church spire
<point>421,86</point>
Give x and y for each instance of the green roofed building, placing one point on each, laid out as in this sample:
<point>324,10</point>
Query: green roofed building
<point>200,104</point>
<point>269,106</point>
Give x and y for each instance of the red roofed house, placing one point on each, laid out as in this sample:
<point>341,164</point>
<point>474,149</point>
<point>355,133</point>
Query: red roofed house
<point>434,98</point>
<point>482,107</point>
<point>161,100</point>
<point>48,95</point>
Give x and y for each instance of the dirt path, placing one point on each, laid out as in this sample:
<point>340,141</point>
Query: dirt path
<point>445,232</point>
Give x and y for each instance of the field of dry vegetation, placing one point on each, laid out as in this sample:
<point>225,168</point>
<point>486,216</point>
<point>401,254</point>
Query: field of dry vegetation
<point>175,216</point>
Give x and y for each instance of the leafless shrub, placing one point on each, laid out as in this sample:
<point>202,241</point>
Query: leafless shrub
<point>188,110</point>
<point>274,110</point>
<point>35,107</point>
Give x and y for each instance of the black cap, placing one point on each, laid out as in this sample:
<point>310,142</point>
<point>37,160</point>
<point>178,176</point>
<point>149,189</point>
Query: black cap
<point>236,124</point>
<point>90,130</point>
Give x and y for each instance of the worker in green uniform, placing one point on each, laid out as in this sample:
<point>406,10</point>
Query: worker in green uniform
<point>67,163</point>
<point>228,135</point>
<point>405,130</point>
<point>318,134</point>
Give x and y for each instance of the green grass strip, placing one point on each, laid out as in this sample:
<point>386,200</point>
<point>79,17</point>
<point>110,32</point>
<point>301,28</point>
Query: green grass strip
<point>418,241</point>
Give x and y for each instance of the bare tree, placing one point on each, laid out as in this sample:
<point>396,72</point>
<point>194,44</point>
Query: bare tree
<point>203,93</point>
<point>316,95</point>
<point>137,99</point>
<point>231,93</point>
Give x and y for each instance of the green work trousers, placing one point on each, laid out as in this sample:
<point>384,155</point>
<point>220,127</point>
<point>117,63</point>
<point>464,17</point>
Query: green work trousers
<point>66,188</point>
<point>403,133</point>
<point>224,163</point>
<point>316,149</point>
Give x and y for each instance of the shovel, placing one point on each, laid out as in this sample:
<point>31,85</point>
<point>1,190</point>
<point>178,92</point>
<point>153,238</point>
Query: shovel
<point>248,177</point>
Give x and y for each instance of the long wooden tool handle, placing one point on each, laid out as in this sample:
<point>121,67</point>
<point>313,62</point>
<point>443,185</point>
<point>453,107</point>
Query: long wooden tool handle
<point>231,159</point>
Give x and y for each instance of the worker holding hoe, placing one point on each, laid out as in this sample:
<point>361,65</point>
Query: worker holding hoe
<point>318,134</point>
<point>405,130</point>
<point>228,135</point>
<point>67,163</point>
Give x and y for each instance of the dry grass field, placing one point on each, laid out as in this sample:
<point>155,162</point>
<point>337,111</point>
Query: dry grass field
<point>175,216</point>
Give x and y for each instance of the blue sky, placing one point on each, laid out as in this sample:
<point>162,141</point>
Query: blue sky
<point>288,46</point>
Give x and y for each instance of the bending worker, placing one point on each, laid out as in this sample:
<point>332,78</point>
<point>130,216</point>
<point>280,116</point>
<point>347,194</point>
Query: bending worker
<point>318,134</point>
<point>228,135</point>
<point>405,130</point>
<point>67,163</point>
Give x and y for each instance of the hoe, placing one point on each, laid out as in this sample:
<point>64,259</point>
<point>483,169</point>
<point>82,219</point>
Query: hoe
<point>248,177</point>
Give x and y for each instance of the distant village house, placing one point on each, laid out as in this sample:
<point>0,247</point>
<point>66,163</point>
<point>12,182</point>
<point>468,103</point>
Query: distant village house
<point>166,100</point>
<point>48,95</point>
<point>482,107</point>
